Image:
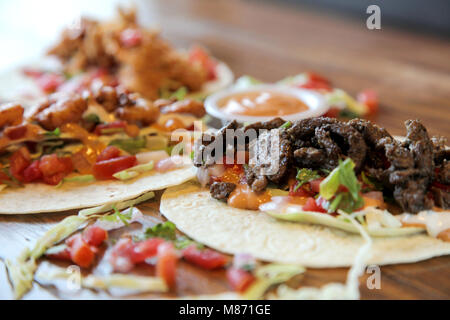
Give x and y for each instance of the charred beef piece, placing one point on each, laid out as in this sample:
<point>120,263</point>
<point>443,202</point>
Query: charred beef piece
<point>441,198</point>
<point>411,168</point>
<point>321,142</point>
<point>204,154</point>
<point>269,159</point>
<point>221,190</point>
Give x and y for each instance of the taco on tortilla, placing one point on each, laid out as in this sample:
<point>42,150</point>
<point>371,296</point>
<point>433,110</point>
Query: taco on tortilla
<point>103,146</point>
<point>282,192</point>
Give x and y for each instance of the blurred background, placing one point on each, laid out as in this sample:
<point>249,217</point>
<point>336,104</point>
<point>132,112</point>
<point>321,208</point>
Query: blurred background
<point>407,61</point>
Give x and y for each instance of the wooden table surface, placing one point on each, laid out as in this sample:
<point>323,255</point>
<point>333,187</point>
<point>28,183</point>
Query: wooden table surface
<point>411,73</point>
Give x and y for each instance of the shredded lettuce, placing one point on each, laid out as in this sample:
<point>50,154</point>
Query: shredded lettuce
<point>246,82</point>
<point>82,178</point>
<point>340,97</point>
<point>304,176</point>
<point>130,145</point>
<point>138,284</point>
<point>180,94</point>
<point>133,171</point>
<point>343,175</point>
<point>166,230</point>
<point>269,275</point>
<point>119,206</point>
<point>342,223</point>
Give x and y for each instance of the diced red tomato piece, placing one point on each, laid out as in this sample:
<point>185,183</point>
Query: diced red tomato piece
<point>199,55</point>
<point>18,162</point>
<point>81,252</point>
<point>54,169</point>
<point>167,263</point>
<point>206,258</point>
<point>108,153</point>
<point>120,255</point>
<point>145,249</point>
<point>130,37</point>
<point>32,172</point>
<point>315,185</point>
<point>32,73</point>
<point>239,279</point>
<point>370,99</point>
<point>4,176</point>
<point>64,254</point>
<point>300,192</point>
<point>332,112</point>
<point>311,205</point>
<point>50,165</point>
<point>317,77</point>
<point>100,129</point>
<point>104,170</point>
<point>49,82</point>
<point>54,179</point>
<point>94,235</point>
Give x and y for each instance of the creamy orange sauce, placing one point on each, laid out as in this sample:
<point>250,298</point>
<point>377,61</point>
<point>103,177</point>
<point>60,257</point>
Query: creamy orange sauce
<point>243,197</point>
<point>262,103</point>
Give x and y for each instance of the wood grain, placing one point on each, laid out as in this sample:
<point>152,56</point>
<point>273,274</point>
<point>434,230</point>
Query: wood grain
<point>411,73</point>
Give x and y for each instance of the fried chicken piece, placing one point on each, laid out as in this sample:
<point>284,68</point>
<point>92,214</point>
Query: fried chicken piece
<point>143,61</point>
<point>60,109</point>
<point>10,115</point>
<point>142,111</point>
<point>189,106</point>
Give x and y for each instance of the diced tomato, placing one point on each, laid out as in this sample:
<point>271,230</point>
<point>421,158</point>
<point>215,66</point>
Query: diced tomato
<point>101,128</point>
<point>54,169</point>
<point>104,170</point>
<point>94,235</point>
<point>300,192</point>
<point>50,165</point>
<point>32,172</point>
<point>130,37</point>
<point>167,263</point>
<point>317,77</point>
<point>206,258</point>
<point>145,249</point>
<point>315,185</point>
<point>63,254</point>
<point>18,162</point>
<point>81,252</point>
<point>332,112</point>
<point>108,153</point>
<point>370,99</point>
<point>239,279</point>
<point>32,73</point>
<point>15,132</point>
<point>54,179</point>
<point>199,55</point>
<point>120,255</point>
<point>49,82</point>
<point>311,205</point>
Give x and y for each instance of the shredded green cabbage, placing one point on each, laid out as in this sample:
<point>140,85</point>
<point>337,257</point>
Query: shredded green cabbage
<point>133,171</point>
<point>82,178</point>
<point>116,280</point>
<point>269,275</point>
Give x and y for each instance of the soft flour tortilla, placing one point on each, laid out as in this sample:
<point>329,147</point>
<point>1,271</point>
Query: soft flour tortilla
<point>232,230</point>
<point>38,197</point>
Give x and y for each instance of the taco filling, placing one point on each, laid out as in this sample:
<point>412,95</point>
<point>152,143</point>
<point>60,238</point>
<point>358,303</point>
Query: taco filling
<point>312,170</point>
